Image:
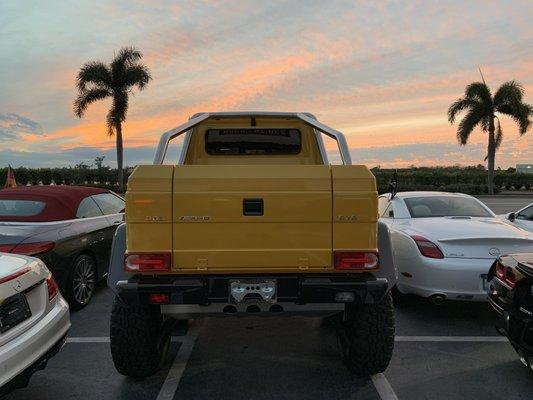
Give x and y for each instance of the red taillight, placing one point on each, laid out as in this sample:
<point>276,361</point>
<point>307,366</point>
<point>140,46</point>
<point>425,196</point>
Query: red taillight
<point>53,289</point>
<point>146,262</point>
<point>500,270</point>
<point>32,249</point>
<point>159,298</point>
<point>15,275</point>
<point>6,248</point>
<point>427,247</point>
<point>505,274</point>
<point>360,260</point>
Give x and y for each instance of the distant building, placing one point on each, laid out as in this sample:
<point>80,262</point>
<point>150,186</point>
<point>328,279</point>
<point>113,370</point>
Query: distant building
<point>524,168</point>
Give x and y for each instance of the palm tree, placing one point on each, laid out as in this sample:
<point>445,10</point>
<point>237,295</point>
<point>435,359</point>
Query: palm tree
<point>482,109</point>
<point>97,81</point>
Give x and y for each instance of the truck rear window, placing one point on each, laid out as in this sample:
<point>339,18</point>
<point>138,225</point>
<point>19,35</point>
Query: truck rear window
<point>252,141</point>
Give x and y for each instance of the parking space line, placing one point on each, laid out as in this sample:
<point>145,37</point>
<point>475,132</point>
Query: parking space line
<point>383,387</point>
<point>172,381</point>
<point>479,339</point>
<point>88,339</point>
<point>475,339</point>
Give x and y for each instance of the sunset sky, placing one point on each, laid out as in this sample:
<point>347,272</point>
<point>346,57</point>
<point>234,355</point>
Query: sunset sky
<point>382,72</point>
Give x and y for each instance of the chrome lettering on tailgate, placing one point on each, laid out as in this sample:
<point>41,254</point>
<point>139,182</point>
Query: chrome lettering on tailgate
<point>195,218</point>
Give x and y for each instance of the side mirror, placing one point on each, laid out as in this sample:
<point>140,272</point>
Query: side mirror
<point>511,216</point>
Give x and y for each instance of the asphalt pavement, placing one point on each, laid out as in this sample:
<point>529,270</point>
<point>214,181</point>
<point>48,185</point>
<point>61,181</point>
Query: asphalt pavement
<point>503,204</point>
<point>442,352</point>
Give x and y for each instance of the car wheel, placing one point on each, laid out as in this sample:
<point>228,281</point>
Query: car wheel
<point>140,338</point>
<point>366,336</point>
<point>81,282</point>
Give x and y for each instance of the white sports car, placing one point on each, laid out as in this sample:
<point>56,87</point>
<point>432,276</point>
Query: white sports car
<point>34,319</point>
<point>445,243</point>
<point>522,218</point>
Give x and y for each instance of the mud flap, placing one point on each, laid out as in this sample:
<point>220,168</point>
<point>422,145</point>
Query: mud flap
<point>387,269</point>
<point>116,271</point>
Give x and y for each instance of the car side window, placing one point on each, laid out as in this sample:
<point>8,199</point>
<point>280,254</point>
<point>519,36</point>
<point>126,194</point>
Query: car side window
<point>109,203</point>
<point>389,212</point>
<point>526,214</point>
<point>88,208</point>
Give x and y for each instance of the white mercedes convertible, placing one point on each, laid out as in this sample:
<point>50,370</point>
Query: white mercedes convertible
<point>445,243</point>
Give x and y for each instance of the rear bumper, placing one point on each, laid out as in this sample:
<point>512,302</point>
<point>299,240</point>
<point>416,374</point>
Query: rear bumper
<point>27,353</point>
<point>291,289</point>
<point>455,278</point>
<point>516,323</point>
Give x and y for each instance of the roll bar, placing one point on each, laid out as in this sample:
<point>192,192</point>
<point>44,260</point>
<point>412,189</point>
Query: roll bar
<point>201,117</point>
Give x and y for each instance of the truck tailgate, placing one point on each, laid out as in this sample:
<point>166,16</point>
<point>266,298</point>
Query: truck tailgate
<point>254,217</point>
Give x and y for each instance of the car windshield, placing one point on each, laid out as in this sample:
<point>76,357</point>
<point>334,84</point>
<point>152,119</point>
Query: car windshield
<point>445,206</point>
<point>20,208</point>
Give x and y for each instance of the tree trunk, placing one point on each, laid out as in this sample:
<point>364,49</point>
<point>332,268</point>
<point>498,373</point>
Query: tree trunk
<point>120,154</point>
<point>491,155</point>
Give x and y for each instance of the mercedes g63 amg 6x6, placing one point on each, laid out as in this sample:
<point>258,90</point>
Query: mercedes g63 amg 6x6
<point>252,220</point>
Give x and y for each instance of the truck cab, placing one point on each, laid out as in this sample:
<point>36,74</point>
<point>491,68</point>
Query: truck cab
<point>252,220</point>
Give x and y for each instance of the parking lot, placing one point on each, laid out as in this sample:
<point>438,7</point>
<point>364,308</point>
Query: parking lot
<point>446,352</point>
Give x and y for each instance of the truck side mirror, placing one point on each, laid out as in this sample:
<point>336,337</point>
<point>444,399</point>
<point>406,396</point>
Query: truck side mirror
<point>511,216</point>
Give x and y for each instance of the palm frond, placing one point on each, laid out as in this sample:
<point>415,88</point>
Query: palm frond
<point>481,92</point>
<point>87,97</point>
<point>125,58</point>
<point>509,92</point>
<point>136,75</point>
<point>95,73</point>
<point>521,113</point>
<point>117,112</point>
<point>468,123</point>
<point>460,105</point>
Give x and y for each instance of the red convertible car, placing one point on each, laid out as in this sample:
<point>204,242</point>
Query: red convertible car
<point>69,227</point>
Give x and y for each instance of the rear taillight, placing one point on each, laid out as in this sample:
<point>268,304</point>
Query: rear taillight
<point>6,248</point>
<point>505,274</point>
<point>427,247</point>
<point>53,289</point>
<point>31,249</point>
<point>159,298</point>
<point>358,260</point>
<point>146,262</point>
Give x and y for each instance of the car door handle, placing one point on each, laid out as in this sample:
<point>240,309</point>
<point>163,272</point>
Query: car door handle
<point>116,223</point>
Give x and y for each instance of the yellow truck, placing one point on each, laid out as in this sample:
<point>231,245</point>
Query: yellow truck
<point>252,220</point>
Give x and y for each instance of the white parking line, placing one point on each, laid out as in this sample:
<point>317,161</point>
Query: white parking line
<point>88,339</point>
<point>168,390</point>
<point>444,339</point>
<point>105,339</point>
<point>383,387</point>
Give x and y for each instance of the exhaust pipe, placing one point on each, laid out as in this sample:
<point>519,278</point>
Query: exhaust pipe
<point>253,309</point>
<point>437,299</point>
<point>229,310</point>
<point>276,308</point>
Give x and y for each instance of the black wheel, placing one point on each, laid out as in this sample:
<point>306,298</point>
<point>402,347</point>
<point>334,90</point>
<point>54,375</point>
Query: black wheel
<point>366,336</point>
<point>139,339</point>
<point>81,282</point>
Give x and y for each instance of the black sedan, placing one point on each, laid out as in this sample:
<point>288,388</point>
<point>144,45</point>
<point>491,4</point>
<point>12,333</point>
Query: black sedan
<point>69,227</point>
<point>510,292</point>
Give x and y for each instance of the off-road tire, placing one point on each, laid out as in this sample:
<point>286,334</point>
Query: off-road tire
<point>366,336</point>
<point>139,339</point>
